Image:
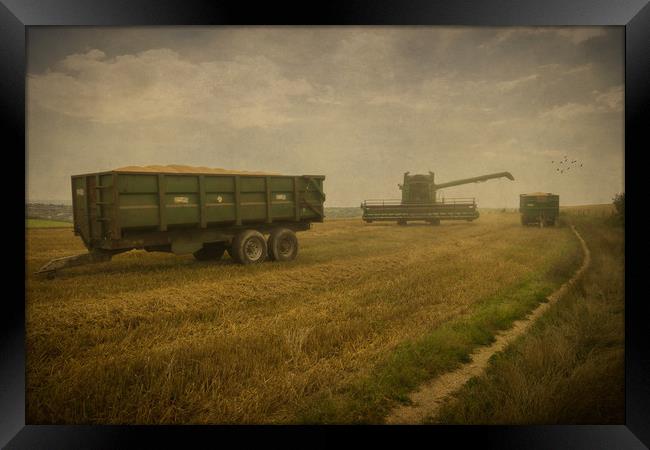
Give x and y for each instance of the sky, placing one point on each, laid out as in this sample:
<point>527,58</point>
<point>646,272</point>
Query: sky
<point>360,105</point>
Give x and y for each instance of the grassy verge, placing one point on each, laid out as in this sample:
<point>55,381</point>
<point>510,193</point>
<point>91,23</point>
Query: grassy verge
<point>569,368</point>
<point>443,349</point>
<point>43,223</point>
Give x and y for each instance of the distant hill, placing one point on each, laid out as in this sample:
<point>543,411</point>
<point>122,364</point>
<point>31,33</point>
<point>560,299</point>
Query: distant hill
<point>342,212</point>
<point>63,213</point>
<point>46,211</point>
<point>49,211</point>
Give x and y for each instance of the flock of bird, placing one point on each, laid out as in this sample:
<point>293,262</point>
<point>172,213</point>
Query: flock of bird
<point>566,164</point>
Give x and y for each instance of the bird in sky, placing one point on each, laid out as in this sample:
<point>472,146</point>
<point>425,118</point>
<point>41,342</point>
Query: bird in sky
<point>564,165</point>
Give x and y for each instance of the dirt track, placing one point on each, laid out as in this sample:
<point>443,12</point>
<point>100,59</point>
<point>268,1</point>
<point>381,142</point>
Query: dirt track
<point>428,399</point>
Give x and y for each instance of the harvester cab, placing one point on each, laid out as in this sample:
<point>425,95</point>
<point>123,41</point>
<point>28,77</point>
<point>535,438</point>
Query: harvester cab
<point>417,188</point>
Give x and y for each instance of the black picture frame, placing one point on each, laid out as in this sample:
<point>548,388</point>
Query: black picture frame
<point>634,15</point>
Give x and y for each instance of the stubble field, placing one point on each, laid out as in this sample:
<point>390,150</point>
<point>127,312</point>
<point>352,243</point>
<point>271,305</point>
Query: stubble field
<point>339,335</point>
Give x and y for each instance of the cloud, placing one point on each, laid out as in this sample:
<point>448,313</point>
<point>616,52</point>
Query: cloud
<point>578,35</point>
<point>568,111</point>
<point>575,35</point>
<point>609,101</point>
<point>580,70</point>
<point>507,86</point>
<point>248,91</point>
<point>548,152</point>
<point>612,99</point>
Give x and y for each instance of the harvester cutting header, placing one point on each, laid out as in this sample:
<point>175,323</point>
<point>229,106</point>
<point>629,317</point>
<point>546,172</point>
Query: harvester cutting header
<point>419,201</point>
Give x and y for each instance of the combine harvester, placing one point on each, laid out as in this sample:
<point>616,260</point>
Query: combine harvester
<point>419,201</point>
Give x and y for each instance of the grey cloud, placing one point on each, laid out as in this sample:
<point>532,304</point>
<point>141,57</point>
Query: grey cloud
<point>361,105</point>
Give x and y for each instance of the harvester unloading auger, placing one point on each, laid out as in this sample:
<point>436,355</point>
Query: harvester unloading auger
<point>419,201</point>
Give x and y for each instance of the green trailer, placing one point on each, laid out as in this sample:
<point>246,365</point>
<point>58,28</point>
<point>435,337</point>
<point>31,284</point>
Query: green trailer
<point>252,216</point>
<point>539,208</point>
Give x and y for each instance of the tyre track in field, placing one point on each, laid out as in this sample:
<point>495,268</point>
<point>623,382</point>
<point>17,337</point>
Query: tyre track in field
<point>426,402</point>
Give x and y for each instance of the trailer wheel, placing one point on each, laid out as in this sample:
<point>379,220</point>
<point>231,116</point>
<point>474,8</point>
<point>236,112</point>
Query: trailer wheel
<point>282,245</point>
<point>210,252</point>
<point>249,247</point>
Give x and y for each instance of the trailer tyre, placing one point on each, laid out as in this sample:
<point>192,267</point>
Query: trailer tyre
<point>249,247</point>
<point>282,245</point>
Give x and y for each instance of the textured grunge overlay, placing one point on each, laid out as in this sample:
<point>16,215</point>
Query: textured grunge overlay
<point>359,104</point>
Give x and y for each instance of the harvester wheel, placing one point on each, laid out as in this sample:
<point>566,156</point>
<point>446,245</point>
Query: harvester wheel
<point>282,245</point>
<point>401,222</point>
<point>249,247</point>
<point>210,252</point>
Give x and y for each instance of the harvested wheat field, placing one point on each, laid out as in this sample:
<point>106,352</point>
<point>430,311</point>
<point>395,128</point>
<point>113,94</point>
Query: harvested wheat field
<point>364,315</point>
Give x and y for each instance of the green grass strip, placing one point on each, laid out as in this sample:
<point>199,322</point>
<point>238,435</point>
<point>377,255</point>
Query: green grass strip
<point>444,349</point>
<point>44,223</point>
